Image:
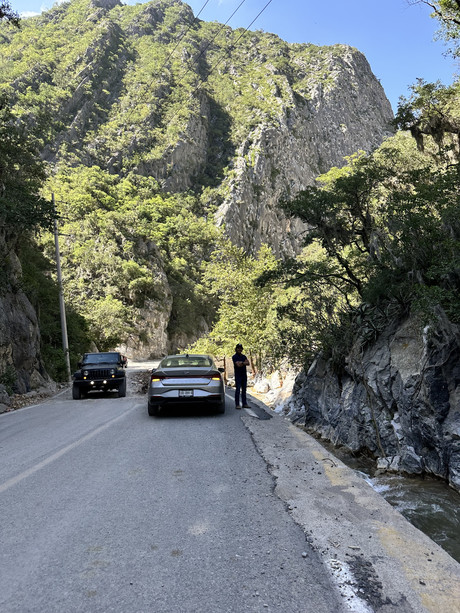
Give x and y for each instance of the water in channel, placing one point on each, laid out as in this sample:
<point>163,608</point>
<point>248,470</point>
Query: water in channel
<point>428,503</point>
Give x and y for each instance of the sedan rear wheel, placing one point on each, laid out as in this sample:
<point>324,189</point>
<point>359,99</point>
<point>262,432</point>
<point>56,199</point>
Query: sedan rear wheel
<point>221,407</point>
<point>154,409</point>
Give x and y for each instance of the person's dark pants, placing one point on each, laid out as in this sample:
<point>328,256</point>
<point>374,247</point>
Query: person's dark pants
<point>241,384</point>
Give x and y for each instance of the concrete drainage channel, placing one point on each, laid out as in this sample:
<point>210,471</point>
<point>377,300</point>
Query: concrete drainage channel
<point>380,562</point>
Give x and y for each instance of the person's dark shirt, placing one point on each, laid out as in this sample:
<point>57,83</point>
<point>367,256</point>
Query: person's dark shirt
<point>240,371</point>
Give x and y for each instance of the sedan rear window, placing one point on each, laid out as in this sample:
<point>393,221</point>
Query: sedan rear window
<point>188,361</point>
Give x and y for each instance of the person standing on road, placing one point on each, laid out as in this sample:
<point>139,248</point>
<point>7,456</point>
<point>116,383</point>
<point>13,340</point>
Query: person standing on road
<point>240,361</point>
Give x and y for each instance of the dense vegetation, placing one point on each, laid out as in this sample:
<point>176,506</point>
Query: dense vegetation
<point>118,78</point>
<point>384,241</point>
<point>99,96</point>
<point>384,236</point>
<point>120,235</point>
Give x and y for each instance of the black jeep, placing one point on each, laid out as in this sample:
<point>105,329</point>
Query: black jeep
<point>99,371</point>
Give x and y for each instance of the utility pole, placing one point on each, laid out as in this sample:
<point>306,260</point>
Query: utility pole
<point>65,342</point>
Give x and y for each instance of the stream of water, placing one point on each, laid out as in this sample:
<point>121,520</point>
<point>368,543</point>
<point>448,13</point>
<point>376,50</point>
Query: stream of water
<point>428,503</point>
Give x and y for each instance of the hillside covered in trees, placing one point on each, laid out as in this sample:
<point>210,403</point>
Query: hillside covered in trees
<point>157,134</point>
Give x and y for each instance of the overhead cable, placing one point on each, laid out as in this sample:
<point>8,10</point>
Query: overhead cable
<point>203,51</point>
<point>184,33</point>
<point>232,46</point>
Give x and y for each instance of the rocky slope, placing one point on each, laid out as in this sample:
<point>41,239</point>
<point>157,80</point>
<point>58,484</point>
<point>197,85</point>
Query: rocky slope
<point>149,90</point>
<point>316,126</point>
<point>20,352</point>
<point>397,402</point>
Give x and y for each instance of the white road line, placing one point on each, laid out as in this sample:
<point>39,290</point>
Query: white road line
<point>59,454</point>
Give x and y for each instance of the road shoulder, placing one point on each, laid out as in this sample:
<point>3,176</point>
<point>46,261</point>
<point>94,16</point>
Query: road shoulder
<point>380,561</point>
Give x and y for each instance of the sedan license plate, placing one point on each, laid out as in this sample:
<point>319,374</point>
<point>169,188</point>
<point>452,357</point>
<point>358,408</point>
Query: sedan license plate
<point>185,393</point>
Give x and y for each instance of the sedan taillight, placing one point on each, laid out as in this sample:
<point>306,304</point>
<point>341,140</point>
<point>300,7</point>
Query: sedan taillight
<point>212,376</point>
<point>154,378</point>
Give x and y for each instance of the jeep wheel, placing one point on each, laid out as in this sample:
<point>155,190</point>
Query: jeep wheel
<point>76,392</point>
<point>122,389</point>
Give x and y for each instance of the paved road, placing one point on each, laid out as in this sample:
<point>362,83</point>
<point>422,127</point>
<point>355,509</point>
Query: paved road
<point>105,509</point>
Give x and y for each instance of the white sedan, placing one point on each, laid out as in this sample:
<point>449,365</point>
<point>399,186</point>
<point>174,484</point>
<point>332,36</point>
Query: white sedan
<point>186,379</point>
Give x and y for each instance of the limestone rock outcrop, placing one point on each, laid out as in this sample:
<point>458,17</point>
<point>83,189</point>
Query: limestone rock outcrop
<point>399,402</point>
<point>316,127</point>
<point>21,365</point>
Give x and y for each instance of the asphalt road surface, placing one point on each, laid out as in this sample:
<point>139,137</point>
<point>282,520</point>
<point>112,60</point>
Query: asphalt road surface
<point>103,508</point>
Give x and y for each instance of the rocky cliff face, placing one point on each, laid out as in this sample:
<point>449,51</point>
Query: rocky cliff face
<point>20,359</point>
<point>313,124</point>
<point>316,126</point>
<point>151,321</point>
<point>257,120</point>
<point>399,402</point>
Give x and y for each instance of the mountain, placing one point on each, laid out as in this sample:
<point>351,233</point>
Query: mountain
<point>226,121</point>
<point>152,90</point>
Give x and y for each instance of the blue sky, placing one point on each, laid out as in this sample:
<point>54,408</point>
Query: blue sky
<point>396,37</point>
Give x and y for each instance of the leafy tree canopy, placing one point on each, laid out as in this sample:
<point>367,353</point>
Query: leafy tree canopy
<point>432,110</point>
<point>21,175</point>
<point>120,236</point>
<point>384,238</point>
<point>447,12</point>
<point>246,311</point>
<point>8,14</point>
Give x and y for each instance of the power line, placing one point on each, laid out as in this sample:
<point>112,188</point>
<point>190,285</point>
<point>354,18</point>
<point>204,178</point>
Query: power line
<point>213,68</point>
<point>184,33</point>
<point>232,46</point>
<point>212,40</point>
<point>203,51</point>
<point>217,34</point>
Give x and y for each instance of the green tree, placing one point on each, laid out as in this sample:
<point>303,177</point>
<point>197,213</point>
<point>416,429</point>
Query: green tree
<point>447,12</point>
<point>8,14</point>
<point>432,110</point>
<point>21,175</point>
<point>246,311</point>
<point>383,238</point>
<point>341,213</point>
<point>43,292</point>
<point>121,235</point>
